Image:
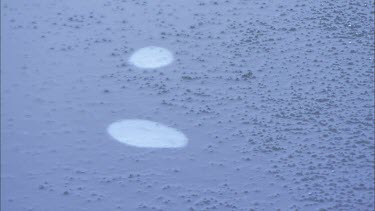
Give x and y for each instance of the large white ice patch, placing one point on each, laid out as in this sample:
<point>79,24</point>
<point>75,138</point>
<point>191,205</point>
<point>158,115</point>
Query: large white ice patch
<point>151,57</point>
<point>144,133</point>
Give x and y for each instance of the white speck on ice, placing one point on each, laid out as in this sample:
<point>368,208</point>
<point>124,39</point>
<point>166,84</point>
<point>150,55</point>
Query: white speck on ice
<point>144,133</point>
<point>151,57</point>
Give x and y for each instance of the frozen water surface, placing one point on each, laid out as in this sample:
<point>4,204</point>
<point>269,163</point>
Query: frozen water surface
<point>275,96</point>
<point>144,133</point>
<point>151,57</point>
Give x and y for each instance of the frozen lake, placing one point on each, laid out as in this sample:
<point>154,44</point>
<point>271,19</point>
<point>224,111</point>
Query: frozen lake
<point>187,105</point>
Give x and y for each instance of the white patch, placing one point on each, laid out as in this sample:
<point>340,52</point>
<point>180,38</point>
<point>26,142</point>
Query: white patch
<point>151,57</point>
<point>144,133</point>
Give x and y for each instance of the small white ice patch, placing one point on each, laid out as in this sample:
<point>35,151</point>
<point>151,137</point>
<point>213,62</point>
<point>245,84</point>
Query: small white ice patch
<point>144,133</point>
<point>151,57</point>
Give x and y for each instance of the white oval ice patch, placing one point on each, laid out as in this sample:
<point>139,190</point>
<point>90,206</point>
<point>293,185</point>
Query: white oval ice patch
<point>151,57</point>
<point>144,133</point>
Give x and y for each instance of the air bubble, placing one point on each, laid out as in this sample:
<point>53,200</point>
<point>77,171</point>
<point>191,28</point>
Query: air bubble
<point>144,133</point>
<point>151,57</point>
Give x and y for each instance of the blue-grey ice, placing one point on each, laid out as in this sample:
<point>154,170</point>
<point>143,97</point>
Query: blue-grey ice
<point>144,133</point>
<point>151,57</point>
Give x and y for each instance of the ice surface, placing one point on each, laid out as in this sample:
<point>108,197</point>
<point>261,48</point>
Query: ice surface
<point>276,99</point>
<point>144,133</point>
<point>151,57</point>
